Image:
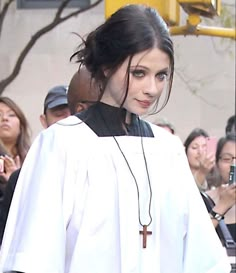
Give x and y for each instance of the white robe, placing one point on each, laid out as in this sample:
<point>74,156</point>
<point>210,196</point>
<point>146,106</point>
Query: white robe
<point>75,208</point>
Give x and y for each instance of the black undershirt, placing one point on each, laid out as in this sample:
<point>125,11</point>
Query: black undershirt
<point>106,120</point>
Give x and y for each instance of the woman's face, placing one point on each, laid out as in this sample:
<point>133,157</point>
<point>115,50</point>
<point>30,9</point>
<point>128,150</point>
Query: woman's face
<point>226,159</point>
<point>148,75</point>
<point>9,124</point>
<point>196,150</point>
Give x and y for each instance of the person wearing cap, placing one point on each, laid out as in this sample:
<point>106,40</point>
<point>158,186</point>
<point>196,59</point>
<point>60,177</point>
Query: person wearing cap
<point>55,106</point>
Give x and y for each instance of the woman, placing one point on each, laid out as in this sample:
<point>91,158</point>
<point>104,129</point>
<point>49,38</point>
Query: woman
<point>201,163</point>
<point>15,131</point>
<point>15,138</point>
<point>98,192</point>
<point>224,196</point>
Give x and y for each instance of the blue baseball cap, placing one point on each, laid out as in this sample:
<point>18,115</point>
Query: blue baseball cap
<point>56,96</point>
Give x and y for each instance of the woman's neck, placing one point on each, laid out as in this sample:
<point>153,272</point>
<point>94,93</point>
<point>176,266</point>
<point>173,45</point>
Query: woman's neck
<point>128,115</point>
<point>11,148</point>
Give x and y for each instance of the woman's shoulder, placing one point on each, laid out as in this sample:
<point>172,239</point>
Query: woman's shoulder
<point>67,126</point>
<point>166,140</point>
<point>63,134</point>
<point>69,121</point>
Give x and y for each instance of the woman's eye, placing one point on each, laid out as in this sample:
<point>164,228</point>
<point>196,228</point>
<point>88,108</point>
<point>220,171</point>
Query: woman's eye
<point>162,76</point>
<point>12,115</point>
<point>138,73</point>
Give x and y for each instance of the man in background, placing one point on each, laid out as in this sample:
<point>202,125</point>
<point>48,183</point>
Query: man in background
<point>55,106</point>
<point>82,92</point>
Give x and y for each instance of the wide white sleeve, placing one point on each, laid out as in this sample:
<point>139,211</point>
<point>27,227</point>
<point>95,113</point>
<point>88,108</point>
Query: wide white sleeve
<point>203,252</point>
<point>35,234</point>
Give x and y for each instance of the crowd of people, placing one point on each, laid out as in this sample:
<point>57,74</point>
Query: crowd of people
<point>100,188</point>
<point>212,176</point>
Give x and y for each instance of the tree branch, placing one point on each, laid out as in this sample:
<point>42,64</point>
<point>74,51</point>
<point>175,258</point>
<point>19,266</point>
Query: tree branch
<point>61,9</point>
<point>3,13</point>
<point>193,90</point>
<point>56,21</point>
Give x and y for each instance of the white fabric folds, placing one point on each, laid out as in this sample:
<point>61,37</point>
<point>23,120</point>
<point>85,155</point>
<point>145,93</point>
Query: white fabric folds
<point>75,208</point>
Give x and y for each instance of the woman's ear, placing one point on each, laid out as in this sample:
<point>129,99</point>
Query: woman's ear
<point>106,72</point>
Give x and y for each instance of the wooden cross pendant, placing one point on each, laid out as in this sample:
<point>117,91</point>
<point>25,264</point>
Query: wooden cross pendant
<point>144,232</point>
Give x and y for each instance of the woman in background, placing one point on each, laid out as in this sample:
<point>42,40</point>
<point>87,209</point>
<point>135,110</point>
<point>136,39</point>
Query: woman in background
<point>15,137</point>
<point>201,163</point>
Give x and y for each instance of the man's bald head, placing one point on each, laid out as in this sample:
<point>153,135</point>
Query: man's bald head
<point>82,91</point>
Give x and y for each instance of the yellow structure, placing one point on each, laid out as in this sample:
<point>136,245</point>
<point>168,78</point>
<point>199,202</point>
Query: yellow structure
<point>170,11</point>
<point>206,8</point>
<point>193,27</point>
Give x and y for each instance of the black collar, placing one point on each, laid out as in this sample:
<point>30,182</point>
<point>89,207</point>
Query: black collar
<point>107,120</point>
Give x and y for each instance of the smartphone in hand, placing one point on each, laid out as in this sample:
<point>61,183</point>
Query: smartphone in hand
<point>232,174</point>
<point>211,144</point>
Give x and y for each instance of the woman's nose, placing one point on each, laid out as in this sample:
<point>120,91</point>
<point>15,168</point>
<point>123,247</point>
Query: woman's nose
<point>152,88</point>
<point>202,150</point>
<point>3,116</point>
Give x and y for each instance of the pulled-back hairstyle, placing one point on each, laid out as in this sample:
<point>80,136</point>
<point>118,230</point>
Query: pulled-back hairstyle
<point>23,140</point>
<point>130,30</point>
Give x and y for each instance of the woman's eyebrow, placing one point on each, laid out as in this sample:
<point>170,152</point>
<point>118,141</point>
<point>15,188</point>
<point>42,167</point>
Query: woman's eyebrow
<point>166,69</point>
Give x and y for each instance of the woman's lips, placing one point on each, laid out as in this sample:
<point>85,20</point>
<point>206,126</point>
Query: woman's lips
<point>5,126</point>
<point>144,103</point>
